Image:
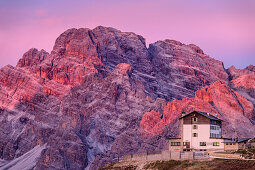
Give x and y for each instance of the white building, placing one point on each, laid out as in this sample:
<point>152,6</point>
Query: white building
<point>198,131</point>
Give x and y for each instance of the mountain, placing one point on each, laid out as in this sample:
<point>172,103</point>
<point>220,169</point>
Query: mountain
<point>219,99</point>
<point>101,94</point>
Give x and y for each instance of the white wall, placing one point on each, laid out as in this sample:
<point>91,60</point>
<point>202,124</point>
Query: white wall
<point>203,131</point>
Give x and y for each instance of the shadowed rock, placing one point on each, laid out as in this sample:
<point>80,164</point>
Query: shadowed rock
<point>101,94</point>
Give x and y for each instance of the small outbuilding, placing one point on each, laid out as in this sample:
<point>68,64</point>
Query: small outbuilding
<point>231,145</point>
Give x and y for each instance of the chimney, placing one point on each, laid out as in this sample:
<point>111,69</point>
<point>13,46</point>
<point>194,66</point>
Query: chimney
<point>183,113</point>
<point>236,139</point>
<point>208,114</point>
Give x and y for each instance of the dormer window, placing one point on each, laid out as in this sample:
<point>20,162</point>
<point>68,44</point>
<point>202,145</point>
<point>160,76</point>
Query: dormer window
<point>194,119</point>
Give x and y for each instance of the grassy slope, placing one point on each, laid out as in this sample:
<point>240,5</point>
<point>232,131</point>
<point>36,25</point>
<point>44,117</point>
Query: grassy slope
<point>215,164</point>
<point>248,154</point>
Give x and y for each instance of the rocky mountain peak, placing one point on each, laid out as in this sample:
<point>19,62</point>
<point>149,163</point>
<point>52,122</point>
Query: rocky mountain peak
<point>251,68</point>
<point>102,93</point>
<point>32,58</point>
<point>174,42</point>
<point>75,42</point>
<point>171,58</point>
<point>196,48</point>
<point>235,73</point>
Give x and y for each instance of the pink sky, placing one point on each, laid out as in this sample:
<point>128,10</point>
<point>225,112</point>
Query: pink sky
<point>224,29</point>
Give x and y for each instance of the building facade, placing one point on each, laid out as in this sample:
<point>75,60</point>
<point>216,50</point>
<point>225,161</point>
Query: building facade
<point>231,145</point>
<point>199,131</point>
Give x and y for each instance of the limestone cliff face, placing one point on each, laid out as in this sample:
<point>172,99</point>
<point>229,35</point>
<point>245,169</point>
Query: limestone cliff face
<point>101,93</point>
<point>219,99</point>
<point>182,69</point>
<point>235,73</point>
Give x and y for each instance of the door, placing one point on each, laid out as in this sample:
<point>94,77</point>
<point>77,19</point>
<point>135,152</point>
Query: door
<point>188,145</point>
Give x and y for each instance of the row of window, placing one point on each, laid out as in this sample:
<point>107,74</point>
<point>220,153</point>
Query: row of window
<point>175,143</point>
<point>201,143</point>
<point>179,143</point>
<point>214,127</point>
<point>214,122</point>
<point>230,143</point>
<point>213,135</point>
<point>185,143</point>
<point>211,127</point>
<point>214,143</point>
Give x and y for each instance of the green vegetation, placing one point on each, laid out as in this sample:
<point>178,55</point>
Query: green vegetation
<point>215,164</point>
<point>210,165</point>
<point>164,165</point>
<point>248,154</point>
<point>113,166</point>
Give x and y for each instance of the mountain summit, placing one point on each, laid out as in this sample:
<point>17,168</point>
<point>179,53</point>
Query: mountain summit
<point>101,94</point>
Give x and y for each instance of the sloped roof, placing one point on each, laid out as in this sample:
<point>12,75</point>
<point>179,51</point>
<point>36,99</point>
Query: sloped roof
<point>204,114</point>
<point>236,141</point>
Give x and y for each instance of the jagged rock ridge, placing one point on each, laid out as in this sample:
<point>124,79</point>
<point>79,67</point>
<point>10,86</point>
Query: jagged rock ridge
<point>101,93</point>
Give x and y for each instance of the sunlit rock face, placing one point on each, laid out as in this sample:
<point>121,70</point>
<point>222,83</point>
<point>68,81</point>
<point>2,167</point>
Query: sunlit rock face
<point>242,80</point>
<point>101,93</point>
<point>218,99</point>
<point>235,73</point>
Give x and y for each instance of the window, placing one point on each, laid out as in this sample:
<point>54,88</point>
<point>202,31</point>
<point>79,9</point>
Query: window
<point>213,127</point>
<point>216,144</point>
<point>226,143</point>
<point>185,143</point>
<point>202,143</point>
<point>194,119</point>
<point>194,135</point>
<point>214,122</point>
<point>213,135</point>
<point>194,126</point>
<point>175,143</point>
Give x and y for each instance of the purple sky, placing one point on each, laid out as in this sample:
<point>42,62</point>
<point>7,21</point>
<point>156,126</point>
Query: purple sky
<point>224,29</point>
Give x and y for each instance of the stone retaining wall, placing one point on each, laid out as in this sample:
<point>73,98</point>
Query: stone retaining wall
<point>164,155</point>
<point>177,155</point>
<point>226,155</point>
